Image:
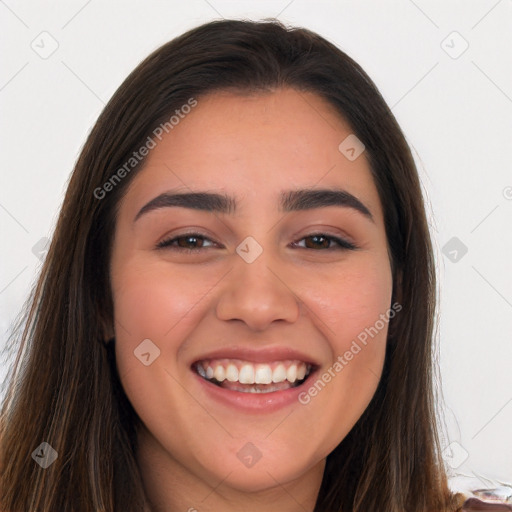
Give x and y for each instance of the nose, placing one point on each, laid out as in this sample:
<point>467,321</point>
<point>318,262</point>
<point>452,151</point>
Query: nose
<point>258,294</point>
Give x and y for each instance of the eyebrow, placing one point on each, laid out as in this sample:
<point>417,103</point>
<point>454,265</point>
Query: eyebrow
<point>290,200</point>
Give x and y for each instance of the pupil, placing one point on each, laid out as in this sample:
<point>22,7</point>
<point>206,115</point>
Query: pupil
<point>185,241</point>
<point>316,239</point>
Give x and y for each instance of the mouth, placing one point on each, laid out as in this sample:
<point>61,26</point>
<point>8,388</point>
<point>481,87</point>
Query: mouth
<point>248,377</point>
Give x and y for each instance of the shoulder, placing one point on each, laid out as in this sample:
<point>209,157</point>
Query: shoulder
<point>471,496</point>
<point>477,505</point>
<point>497,499</point>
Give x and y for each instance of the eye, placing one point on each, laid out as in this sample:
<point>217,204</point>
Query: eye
<point>183,242</point>
<point>313,241</point>
<point>323,241</point>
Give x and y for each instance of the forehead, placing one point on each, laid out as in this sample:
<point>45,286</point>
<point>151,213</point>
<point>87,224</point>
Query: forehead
<point>256,146</point>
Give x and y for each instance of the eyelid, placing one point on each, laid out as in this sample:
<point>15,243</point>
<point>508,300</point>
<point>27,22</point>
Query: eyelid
<point>165,242</point>
<point>342,243</point>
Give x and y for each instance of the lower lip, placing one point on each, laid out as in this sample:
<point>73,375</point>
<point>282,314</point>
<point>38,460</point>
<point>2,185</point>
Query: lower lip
<point>253,402</point>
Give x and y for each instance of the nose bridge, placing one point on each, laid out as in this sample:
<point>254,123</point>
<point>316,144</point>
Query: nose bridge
<point>258,268</point>
<point>257,291</point>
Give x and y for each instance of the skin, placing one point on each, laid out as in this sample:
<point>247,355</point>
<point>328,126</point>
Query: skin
<point>316,300</point>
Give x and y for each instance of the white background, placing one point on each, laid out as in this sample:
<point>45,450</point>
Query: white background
<point>455,112</point>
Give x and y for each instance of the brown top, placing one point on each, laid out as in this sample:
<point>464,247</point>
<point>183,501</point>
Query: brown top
<point>498,499</point>
<point>477,505</point>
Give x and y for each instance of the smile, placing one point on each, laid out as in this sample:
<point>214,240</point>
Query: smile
<point>248,377</point>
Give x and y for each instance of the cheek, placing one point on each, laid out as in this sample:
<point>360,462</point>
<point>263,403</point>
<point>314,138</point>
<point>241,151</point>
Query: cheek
<point>350,300</point>
<point>355,305</point>
<point>353,309</point>
<point>151,300</point>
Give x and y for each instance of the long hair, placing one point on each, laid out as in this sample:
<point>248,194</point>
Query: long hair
<point>64,388</point>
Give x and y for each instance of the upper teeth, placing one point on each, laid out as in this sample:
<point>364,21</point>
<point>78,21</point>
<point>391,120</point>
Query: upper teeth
<point>245,372</point>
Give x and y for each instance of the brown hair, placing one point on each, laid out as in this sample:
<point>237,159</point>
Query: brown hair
<point>66,391</point>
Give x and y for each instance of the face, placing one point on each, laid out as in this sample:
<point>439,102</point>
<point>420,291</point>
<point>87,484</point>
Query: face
<point>280,286</point>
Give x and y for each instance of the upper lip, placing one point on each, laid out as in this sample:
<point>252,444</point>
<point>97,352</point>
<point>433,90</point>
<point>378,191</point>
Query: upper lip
<point>261,355</point>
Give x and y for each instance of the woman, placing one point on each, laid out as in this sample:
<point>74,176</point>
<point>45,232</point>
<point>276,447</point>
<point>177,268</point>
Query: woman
<point>236,310</point>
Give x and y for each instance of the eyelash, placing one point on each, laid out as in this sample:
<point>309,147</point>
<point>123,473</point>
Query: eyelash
<point>166,243</point>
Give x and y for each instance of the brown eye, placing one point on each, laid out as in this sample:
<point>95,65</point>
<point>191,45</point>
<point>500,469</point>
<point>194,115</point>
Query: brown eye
<point>186,242</point>
<point>317,241</point>
<point>323,241</point>
<point>195,242</point>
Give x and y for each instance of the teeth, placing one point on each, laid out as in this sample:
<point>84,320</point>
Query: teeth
<point>301,372</point>
<point>279,374</point>
<point>232,373</point>
<point>219,373</point>
<point>263,375</point>
<point>245,372</point>
<point>254,389</point>
<point>291,373</point>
